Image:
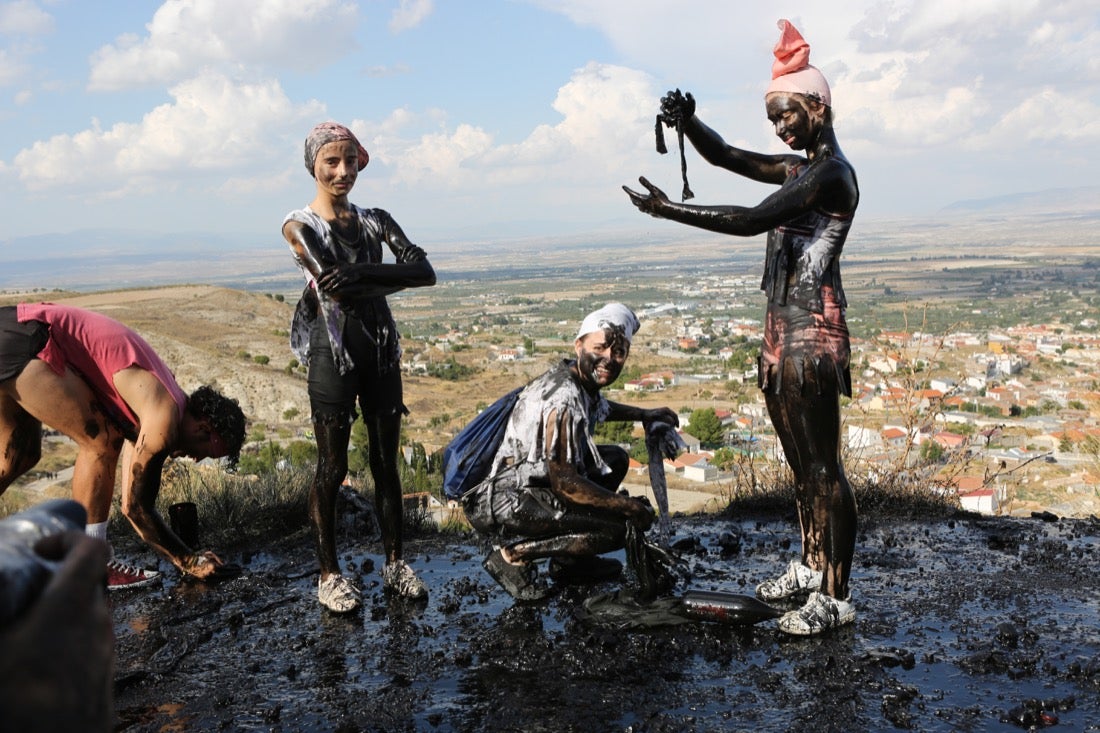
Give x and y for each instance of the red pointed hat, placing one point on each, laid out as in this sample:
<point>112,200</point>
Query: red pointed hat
<point>791,71</point>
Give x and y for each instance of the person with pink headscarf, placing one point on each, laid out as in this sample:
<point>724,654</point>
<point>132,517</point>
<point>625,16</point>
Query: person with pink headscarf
<point>344,332</point>
<point>804,364</point>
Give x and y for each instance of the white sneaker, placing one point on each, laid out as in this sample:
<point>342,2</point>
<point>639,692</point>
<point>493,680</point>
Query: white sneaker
<point>820,613</point>
<point>797,579</point>
<point>399,578</point>
<point>338,594</point>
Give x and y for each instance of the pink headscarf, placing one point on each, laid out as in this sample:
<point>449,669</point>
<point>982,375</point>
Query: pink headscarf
<point>330,132</point>
<point>791,72</point>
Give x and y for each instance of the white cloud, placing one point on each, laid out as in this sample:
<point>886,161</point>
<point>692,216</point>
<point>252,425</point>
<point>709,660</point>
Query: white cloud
<point>186,36</point>
<point>25,21</point>
<point>24,17</point>
<point>1042,118</point>
<point>12,67</point>
<point>607,118</point>
<point>409,14</point>
<point>904,72</point>
<point>214,127</point>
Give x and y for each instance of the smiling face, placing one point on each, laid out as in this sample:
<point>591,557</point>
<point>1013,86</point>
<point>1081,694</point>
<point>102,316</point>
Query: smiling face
<point>600,358</point>
<point>794,121</point>
<point>336,167</point>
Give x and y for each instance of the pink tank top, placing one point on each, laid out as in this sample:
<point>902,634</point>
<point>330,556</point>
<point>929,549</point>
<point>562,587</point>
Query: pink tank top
<point>96,347</point>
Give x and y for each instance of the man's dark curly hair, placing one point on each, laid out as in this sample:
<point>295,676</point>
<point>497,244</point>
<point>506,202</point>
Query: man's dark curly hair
<point>224,414</point>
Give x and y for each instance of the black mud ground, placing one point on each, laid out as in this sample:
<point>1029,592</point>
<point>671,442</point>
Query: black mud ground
<point>964,624</point>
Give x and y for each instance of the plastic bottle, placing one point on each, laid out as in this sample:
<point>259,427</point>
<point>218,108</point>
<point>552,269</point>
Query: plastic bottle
<point>23,573</point>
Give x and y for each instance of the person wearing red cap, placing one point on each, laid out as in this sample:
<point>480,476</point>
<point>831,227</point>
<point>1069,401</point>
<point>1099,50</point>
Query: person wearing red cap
<point>804,365</point>
<point>102,385</point>
<point>344,332</point>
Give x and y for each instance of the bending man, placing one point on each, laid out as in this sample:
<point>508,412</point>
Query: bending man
<point>103,386</point>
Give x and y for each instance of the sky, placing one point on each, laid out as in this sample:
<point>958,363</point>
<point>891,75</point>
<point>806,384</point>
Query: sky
<point>490,119</point>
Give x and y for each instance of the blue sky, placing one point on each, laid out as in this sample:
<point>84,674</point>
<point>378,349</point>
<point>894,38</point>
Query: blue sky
<point>497,118</point>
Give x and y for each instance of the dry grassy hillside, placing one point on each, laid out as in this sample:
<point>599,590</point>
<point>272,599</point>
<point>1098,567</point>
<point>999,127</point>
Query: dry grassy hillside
<point>201,331</point>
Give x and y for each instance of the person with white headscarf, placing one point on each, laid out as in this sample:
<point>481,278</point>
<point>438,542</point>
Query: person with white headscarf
<point>551,491</point>
<point>804,363</point>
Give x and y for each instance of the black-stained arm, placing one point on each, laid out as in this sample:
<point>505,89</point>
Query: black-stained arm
<point>827,184</point>
<point>575,488</point>
<point>353,281</point>
<point>631,413</point>
<point>816,189</point>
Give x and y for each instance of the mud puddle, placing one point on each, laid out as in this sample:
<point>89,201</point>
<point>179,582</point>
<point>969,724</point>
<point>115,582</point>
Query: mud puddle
<point>969,624</point>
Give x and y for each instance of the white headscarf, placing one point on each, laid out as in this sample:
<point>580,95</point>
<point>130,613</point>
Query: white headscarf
<point>615,316</point>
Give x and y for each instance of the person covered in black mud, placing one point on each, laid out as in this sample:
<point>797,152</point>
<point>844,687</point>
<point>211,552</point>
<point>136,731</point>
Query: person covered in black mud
<point>552,491</point>
<point>804,363</point>
<point>344,332</point>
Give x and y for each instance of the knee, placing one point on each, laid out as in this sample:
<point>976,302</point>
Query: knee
<point>331,471</point>
<point>618,460</point>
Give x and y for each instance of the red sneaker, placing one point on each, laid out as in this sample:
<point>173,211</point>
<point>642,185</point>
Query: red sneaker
<point>121,576</point>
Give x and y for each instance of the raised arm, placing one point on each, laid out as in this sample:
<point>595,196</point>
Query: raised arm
<point>679,109</point>
<point>828,184</point>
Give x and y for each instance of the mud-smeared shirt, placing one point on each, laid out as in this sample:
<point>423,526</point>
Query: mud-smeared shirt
<point>804,254</point>
<point>375,227</point>
<point>97,347</point>
<point>524,441</point>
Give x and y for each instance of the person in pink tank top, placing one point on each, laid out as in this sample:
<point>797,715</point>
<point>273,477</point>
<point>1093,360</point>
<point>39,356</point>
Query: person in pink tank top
<point>102,385</point>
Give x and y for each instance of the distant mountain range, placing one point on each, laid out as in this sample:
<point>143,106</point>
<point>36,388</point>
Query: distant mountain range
<point>97,259</point>
<point>1081,200</point>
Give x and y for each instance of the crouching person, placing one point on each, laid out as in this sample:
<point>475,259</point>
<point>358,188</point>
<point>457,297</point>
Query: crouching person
<point>551,492</point>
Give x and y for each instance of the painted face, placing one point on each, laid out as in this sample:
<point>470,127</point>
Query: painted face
<point>793,123</point>
<point>336,167</point>
<point>600,358</point>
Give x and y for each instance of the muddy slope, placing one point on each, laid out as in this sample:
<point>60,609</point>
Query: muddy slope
<point>967,624</point>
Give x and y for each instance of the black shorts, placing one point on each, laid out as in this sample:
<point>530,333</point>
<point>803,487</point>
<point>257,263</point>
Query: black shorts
<point>334,394</point>
<point>19,342</point>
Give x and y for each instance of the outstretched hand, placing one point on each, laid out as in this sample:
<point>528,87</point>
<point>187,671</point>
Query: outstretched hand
<point>654,204</point>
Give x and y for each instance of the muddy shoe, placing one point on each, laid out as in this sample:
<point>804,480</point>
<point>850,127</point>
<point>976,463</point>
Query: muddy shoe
<point>521,581</point>
<point>797,579</point>
<point>399,578</point>
<point>338,594</point>
<point>121,576</point>
<point>820,613</point>
<point>587,569</point>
